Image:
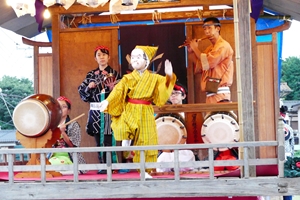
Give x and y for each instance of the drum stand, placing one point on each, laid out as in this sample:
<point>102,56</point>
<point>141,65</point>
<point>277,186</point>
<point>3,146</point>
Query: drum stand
<point>44,141</point>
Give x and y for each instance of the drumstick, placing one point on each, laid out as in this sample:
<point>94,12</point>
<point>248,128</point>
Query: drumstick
<point>69,122</point>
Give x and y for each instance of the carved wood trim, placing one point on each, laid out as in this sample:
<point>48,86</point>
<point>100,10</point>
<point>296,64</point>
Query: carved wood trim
<point>35,43</point>
<point>285,26</point>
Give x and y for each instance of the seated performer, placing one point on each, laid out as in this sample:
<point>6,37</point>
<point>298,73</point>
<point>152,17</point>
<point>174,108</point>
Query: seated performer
<point>70,137</point>
<point>129,103</point>
<point>178,96</point>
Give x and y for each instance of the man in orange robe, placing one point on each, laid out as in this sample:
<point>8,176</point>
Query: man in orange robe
<point>215,61</point>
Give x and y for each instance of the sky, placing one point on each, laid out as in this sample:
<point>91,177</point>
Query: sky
<point>291,41</point>
<point>16,58</point>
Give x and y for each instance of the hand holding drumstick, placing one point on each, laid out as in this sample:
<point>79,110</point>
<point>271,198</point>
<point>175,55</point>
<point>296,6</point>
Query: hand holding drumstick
<point>62,128</point>
<point>69,122</point>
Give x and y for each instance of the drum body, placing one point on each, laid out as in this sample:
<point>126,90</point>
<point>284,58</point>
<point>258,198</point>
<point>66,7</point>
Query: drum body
<point>170,129</point>
<point>220,127</point>
<point>36,114</point>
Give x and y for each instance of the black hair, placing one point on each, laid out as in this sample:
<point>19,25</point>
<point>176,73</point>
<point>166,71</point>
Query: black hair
<point>102,50</point>
<point>215,20</point>
<point>283,109</point>
<point>69,105</point>
<point>184,101</point>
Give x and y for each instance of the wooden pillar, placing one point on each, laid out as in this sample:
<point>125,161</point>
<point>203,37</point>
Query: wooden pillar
<point>42,67</point>
<point>246,111</point>
<point>55,52</point>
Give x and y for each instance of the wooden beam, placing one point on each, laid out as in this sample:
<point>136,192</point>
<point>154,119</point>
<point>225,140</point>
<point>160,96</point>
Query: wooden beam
<point>35,43</point>
<point>165,188</point>
<point>244,42</point>
<point>55,59</point>
<point>285,26</point>
<point>148,16</point>
<point>199,107</point>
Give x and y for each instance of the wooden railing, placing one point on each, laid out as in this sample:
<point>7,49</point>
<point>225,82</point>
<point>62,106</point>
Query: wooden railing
<point>174,186</point>
<point>134,187</point>
<point>245,162</point>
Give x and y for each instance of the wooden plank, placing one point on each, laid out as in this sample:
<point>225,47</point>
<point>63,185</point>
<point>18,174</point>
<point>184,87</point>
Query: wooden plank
<point>200,107</point>
<point>246,78</point>
<point>276,82</point>
<point>75,63</point>
<point>265,98</point>
<point>56,53</point>
<point>36,43</point>
<point>148,16</point>
<point>190,69</point>
<point>45,82</point>
<point>264,186</point>
<point>36,69</point>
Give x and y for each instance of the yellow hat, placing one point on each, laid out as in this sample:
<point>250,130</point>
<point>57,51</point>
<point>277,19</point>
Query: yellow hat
<point>150,51</point>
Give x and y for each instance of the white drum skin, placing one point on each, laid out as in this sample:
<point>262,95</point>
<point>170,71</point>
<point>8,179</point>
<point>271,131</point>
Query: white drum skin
<point>220,128</point>
<point>36,114</point>
<point>170,129</point>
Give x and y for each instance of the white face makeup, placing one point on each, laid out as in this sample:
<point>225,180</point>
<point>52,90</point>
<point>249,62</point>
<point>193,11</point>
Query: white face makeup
<point>138,60</point>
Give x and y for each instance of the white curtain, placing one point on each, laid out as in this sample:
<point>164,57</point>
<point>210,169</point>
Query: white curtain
<point>92,3</point>
<point>115,6</point>
<point>65,3</point>
<point>23,7</point>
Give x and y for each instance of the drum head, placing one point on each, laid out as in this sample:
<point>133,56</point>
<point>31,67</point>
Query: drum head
<point>170,130</point>
<point>31,117</point>
<point>220,128</point>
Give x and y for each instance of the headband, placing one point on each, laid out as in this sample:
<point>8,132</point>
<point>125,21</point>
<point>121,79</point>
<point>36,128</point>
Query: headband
<point>62,98</point>
<point>103,49</point>
<point>177,87</point>
<point>214,24</point>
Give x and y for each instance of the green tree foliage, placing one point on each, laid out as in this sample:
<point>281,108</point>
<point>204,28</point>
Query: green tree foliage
<point>290,73</point>
<point>13,91</point>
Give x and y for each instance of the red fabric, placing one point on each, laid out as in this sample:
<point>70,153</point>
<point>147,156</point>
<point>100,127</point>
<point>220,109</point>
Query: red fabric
<point>138,101</point>
<point>177,87</point>
<point>101,47</point>
<point>195,198</point>
<point>264,170</point>
<point>62,98</point>
<point>226,155</point>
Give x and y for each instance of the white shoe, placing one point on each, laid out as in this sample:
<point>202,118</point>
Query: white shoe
<point>67,172</point>
<point>147,176</point>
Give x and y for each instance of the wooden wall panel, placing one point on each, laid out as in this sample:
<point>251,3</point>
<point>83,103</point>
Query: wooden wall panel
<point>45,77</point>
<point>265,101</point>
<point>76,59</point>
